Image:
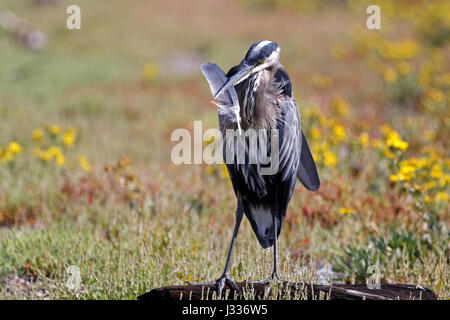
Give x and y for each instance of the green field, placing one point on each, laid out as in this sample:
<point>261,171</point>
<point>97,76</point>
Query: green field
<point>86,177</point>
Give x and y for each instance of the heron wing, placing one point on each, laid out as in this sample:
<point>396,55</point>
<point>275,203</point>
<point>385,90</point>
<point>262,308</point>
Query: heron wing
<point>307,171</point>
<point>243,165</point>
<point>278,188</point>
<point>228,100</point>
<point>216,79</point>
<point>287,148</point>
<point>289,138</point>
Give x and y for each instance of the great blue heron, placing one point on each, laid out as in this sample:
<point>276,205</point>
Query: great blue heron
<point>257,94</point>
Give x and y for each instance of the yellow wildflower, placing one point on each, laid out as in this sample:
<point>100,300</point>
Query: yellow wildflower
<point>400,144</point>
<point>363,139</point>
<point>429,185</point>
<point>6,156</point>
<point>377,143</point>
<point>54,130</point>
<point>389,75</point>
<point>401,50</point>
<point>209,170</point>
<point>14,147</point>
<point>426,74</point>
<point>440,196</point>
<point>436,171</point>
<point>60,160</point>
<point>436,95</point>
<point>388,154</point>
<point>394,178</point>
<point>403,68</point>
<point>315,133</point>
<point>324,121</point>
<point>385,129</point>
<point>330,159</point>
<point>9,156</point>
<point>419,163</point>
<point>315,155</point>
<point>69,137</point>
<point>346,210</point>
<point>54,151</point>
<point>320,81</point>
<point>443,181</point>
<point>339,133</point>
<point>394,140</point>
<point>44,155</point>
<point>406,173</point>
<point>150,71</point>
<point>84,164</point>
<point>340,106</point>
<point>37,135</point>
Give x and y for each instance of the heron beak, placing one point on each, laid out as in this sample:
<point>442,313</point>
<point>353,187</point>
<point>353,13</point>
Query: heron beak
<point>244,71</point>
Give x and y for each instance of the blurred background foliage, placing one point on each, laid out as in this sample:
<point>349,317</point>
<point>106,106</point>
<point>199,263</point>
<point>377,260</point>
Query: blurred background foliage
<point>85,171</point>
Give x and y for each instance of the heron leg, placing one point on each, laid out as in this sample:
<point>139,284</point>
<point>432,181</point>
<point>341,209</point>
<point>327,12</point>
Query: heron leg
<point>225,277</point>
<point>239,215</point>
<point>275,249</point>
<point>275,275</point>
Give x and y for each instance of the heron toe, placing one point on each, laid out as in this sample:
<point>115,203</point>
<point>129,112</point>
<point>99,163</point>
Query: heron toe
<point>224,279</point>
<point>275,276</point>
<point>266,280</point>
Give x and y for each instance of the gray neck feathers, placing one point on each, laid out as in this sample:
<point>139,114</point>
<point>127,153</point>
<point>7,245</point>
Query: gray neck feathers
<point>259,108</point>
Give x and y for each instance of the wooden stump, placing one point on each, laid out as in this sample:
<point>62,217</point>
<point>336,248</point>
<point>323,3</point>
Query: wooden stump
<point>263,291</point>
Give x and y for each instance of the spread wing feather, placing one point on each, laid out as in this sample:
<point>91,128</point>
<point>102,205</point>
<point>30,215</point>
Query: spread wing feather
<point>228,100</point>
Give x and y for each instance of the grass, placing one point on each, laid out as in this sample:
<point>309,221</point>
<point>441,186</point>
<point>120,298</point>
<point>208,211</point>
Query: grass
<point>135,221</point>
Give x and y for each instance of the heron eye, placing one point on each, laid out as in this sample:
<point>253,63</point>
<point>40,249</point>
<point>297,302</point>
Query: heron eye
<point>260,61</point>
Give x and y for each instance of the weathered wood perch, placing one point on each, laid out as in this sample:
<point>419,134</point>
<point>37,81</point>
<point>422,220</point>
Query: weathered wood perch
<point>297,291</point>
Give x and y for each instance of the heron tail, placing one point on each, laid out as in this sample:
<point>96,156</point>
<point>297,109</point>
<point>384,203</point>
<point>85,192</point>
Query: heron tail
<point>261,220</point>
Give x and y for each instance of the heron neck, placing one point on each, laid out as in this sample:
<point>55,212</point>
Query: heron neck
<point>259,110</point>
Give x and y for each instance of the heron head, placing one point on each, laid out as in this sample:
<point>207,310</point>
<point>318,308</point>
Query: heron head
<point>262,55</point>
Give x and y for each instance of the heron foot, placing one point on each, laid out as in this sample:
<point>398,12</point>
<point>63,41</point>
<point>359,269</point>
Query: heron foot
<point>273,277</point>
<point>258,281</point>
<point>224,279</point>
